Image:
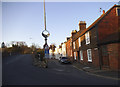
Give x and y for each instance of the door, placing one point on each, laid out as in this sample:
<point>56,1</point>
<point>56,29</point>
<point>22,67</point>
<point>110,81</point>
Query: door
<point>105,57</point>
<point>78,53</point>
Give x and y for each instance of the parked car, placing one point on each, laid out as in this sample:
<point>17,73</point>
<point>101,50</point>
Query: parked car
<point>64,60</point>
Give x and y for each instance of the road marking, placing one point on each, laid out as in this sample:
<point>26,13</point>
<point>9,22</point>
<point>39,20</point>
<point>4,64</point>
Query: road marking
<point>97,75</point>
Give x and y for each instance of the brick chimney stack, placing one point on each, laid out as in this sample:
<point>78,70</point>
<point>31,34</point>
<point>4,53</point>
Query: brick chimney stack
<point>73,32</point>
<point>68,38</point>
<point>82,25</point>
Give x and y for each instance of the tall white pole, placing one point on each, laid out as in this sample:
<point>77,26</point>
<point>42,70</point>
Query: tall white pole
<point>44,16</point>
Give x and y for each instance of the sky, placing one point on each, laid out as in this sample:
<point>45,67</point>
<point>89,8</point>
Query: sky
<point>24,21</point>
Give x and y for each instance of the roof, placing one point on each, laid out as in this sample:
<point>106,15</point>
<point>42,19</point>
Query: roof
<point>79,33</point>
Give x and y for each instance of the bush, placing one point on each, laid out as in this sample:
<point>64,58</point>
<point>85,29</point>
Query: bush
<point>39,51</point>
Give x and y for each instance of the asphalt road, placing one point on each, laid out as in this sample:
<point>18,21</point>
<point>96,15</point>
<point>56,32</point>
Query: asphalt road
<point>18,70</point>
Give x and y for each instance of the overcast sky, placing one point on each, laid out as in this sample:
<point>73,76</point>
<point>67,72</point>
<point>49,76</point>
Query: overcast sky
<point>24,21</point>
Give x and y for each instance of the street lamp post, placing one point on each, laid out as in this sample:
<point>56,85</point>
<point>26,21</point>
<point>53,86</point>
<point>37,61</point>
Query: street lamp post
<point>45,34</point>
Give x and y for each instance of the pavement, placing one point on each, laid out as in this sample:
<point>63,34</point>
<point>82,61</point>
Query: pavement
<point>106,73</point>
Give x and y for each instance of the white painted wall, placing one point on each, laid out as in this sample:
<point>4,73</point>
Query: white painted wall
<point>64,50</point>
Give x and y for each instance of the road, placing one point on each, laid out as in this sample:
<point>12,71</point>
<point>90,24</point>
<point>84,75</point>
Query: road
<point>18,70</point>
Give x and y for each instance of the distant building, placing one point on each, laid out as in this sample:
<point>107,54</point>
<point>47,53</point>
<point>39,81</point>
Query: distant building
<point>50,53</point>
<point>69,47</point>
<point>3,45</point>
<point>60,49</point>
<point>63,49</point>
<point>57,54</point>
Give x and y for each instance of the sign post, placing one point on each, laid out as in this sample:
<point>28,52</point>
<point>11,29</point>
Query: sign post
<point>46,51</point>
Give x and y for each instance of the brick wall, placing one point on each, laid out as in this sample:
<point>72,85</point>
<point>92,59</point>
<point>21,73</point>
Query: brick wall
<point>114,55</point>
<point>108,27</point>
<point>95,57</point>
<point>68,48</point>
<point>108,31</point>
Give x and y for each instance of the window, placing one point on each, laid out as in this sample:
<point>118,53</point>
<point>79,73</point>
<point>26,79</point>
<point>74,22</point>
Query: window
<point>118,11</point>
<point>75,55</point>
<point>87,37</point>
<point>79,42</point>
<point>81,55</point>
<point>74,45</point>
<point>71,52</point>
<point>89,55</point>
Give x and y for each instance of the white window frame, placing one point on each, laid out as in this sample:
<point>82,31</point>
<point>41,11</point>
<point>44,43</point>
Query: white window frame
<point>74,44</point>
<point>117,11</point>
<point>81,55</point>
<point>87,38</point>
<point>75,55</point>
<point>89,55</point>
<point>79,40</point>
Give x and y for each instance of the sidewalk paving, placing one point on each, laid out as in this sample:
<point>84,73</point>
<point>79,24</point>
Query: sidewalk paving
<point>96,71</point>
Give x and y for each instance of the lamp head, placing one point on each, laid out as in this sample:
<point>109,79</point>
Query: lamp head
<point>45,34</point>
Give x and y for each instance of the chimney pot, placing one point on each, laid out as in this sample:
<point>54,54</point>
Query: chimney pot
<point>103,11</point>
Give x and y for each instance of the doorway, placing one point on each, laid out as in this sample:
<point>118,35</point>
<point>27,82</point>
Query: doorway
<point>105,57</point>
<point>78,53</point>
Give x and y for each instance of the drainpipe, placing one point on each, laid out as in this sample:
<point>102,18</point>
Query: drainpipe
<point>99,50</point>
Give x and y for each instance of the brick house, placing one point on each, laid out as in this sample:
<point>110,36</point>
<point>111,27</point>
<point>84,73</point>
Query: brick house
<point>69,48</point>
<point>99,44</point>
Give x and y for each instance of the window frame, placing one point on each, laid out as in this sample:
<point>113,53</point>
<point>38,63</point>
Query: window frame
<point>87,38</point>
<point>74,44</point>
<point>117,13</point>
<point>81,55</point>
<point>75,56</point>
<point>79,40</point>
<point>89,55</point>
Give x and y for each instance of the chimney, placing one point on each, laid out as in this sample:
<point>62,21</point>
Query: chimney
<point>73,32</point>
<point>82,25</point>
<point>103,11</point>
<point>68,38</point>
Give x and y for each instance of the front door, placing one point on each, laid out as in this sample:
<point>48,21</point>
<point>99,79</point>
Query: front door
<point>105,57</point>
<point>78,53</point>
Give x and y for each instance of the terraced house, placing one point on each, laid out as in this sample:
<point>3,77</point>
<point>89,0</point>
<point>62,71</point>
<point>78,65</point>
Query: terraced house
<point>99,44</point>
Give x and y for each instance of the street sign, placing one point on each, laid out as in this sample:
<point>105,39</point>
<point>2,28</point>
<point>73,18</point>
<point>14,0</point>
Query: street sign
<point>46,51</point>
